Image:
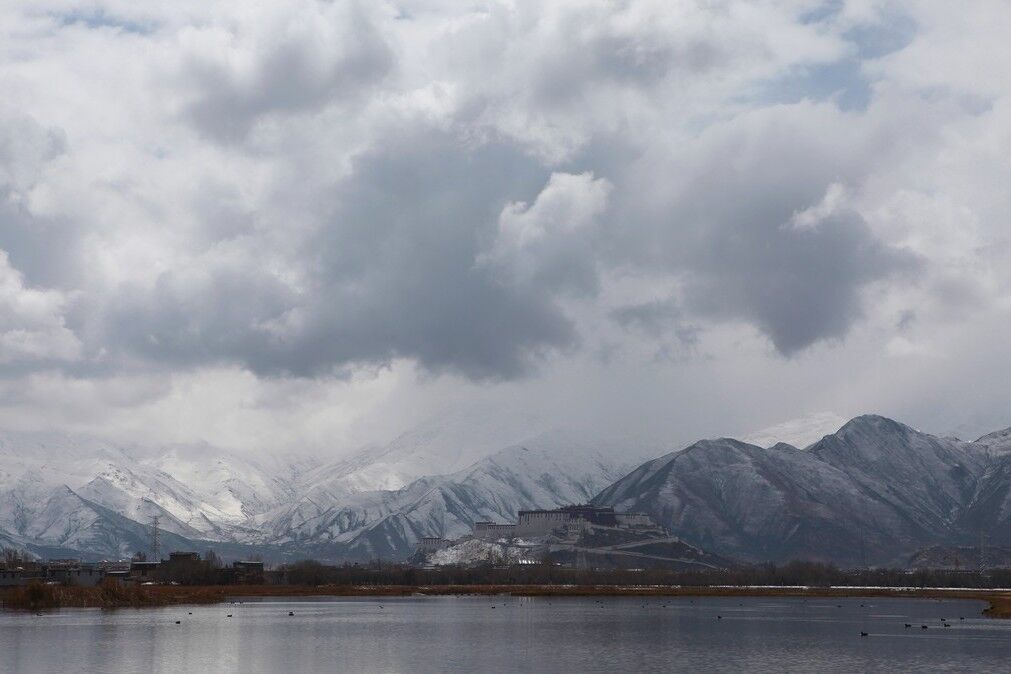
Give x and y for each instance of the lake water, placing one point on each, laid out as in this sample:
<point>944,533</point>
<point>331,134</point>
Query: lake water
<point>502,634</point>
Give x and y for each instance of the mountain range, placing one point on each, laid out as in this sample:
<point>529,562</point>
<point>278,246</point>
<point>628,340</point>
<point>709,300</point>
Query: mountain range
<point>874,492</point>
<point>66,496</point>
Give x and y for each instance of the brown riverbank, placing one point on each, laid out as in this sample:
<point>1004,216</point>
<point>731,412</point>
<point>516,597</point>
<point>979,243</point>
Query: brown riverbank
<point>111,595</point>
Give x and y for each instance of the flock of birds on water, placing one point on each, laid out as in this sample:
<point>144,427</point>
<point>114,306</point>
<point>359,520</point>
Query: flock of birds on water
<point>600,603</point>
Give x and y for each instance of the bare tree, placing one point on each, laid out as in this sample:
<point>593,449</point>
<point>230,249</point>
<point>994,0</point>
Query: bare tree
<point>212,559</point>
<point>12,557</point>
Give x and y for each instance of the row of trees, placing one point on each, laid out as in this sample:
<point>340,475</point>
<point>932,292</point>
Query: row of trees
<point>209,570</point>
<point>311,572</point>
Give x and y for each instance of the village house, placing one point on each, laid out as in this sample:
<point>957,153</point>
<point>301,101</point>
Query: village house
<point>61,571</point>
<point>247,572</point>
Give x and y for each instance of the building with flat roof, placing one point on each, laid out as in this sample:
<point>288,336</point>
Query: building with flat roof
<point>532,523</point>
<point>61,571</point>
<point>248,572</point>
<point>492,531</point>
<point>433,543</point>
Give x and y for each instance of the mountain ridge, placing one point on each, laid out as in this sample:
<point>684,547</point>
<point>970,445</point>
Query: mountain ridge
<point>874,491</point>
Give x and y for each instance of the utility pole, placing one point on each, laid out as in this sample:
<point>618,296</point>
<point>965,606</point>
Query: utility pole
<point>155,545</point>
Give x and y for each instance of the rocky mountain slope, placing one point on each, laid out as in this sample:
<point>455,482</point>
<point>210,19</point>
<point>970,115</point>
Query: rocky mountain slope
<point>92,499</point>
<point>873,492</point>
<point>960,558</point>
<point>551,470</point>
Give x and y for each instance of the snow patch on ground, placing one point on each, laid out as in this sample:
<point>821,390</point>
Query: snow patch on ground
<point>475,551</point>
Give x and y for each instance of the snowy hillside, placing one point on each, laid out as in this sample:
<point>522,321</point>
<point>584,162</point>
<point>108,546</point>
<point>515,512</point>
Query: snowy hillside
<point>203,494</point>
<point>551,470</point>
<point>445,444</point>
<point>873,492</point>
<point>60,491</point>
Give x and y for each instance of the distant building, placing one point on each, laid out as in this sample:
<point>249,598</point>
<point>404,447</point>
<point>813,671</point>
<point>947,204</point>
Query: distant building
<point>183,557</point>
<point>532,523</point>
<point>61,571</point>
<point>17,576</point>
<point>248,572</point>
<point>491,531</point>
<point>74,574</point>
<point>433,543</point>
<point>143,571</point>
<point>634,520</point>
<point>118,574</point>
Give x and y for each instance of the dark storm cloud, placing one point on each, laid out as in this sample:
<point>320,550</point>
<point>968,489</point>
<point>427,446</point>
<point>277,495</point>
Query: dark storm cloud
<point>451,239</point>
<point>797,285</point>
<point>395,269</point>
<point>391,274</point>
<point>727,229</point>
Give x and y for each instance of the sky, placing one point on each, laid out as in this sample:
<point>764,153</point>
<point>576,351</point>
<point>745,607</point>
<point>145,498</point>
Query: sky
<point>306,226</point>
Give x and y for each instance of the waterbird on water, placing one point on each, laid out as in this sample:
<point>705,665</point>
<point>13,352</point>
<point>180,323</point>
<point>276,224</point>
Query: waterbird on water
<point>863,634</point>
<point>908,625</point>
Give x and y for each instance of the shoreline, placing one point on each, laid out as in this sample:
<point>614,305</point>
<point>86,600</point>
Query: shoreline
<point>110,597</point>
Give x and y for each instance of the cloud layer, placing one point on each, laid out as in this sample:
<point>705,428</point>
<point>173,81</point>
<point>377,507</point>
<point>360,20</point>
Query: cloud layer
<point>507,195</point>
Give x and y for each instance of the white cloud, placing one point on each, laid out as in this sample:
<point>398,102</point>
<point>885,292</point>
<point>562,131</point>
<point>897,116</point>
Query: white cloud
<point>549,240</point>
<point>507,199</point>
<point>32,326</point>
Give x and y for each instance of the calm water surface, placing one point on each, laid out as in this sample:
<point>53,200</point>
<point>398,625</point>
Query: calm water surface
<point>436,634</point>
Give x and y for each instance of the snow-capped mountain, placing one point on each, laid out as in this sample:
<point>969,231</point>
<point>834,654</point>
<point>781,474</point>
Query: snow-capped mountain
<point>84,494</point>
<point>873,492</point>
<point>105,495</point>
<point>442,445</point>
<point>550,470</point>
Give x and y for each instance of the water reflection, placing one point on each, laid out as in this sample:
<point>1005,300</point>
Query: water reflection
<point>501,634</point>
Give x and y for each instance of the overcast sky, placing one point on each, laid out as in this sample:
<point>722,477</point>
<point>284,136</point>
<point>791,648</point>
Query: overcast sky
<point>289,226</point>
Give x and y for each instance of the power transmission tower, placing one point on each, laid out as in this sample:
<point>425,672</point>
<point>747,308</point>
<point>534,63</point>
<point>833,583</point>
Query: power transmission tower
<point>982,553</point>
<point>155,545</point>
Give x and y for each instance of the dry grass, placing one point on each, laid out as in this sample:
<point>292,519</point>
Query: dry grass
<point>1000,606</point>
<point>115,595</point>
<point>109,594</point>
